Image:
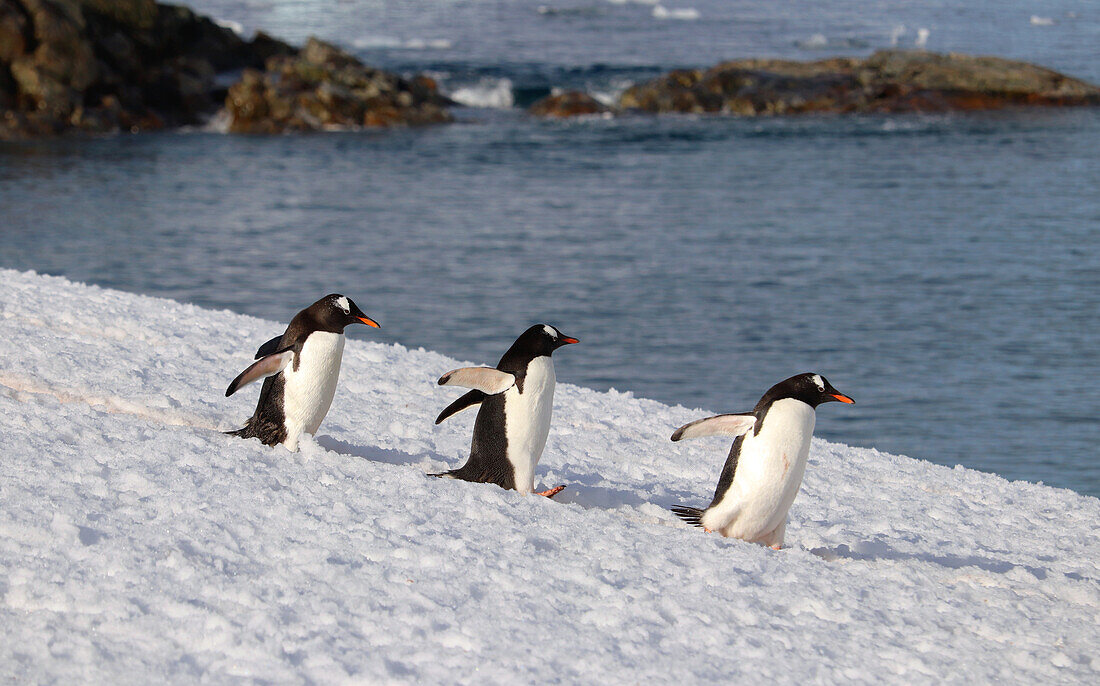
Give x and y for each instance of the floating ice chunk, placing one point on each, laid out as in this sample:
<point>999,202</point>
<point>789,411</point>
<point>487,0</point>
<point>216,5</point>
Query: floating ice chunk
<point>428,44</point>
<point>1036,20</point>
<point>814,42</point>
<point>683,14</point>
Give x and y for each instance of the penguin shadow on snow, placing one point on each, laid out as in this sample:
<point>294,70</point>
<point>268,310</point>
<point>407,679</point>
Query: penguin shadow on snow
<point>374,454</point>
<point>873,550</point>
<point>580,489</point>
<point>585,490</point>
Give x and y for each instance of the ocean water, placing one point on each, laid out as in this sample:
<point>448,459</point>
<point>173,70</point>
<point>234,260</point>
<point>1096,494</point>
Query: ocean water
<point>943,270</point>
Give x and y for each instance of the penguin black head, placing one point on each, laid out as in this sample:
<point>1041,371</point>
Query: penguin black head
<point>812,389</point>
<point>539,340</point>
<point>334,311</point>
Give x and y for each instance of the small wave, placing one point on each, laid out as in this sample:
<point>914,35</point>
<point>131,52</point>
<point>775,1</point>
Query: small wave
<point>633,2</point>
<point>814,42</point>
<point>487,93</point>
<point>820,41</point>
<point>392,42</point>
<point>1036,20</point>
<point>548,11</point>
<point>218,123</point>
<point>683,14</point>
<point>233,26</point>
<point>609,93</point>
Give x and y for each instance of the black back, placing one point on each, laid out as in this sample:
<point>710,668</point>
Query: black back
<point>729,469</point>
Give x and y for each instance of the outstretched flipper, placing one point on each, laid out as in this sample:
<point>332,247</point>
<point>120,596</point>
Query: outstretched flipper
<point>269,348</point>
<point>721,425</point>
<point>470,399</point>
<point>264,367</point>
<point>485,379</point>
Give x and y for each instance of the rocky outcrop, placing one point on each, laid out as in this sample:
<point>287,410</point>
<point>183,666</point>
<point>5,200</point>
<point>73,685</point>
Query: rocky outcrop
<point>106,65</point>
<point>323,87</point>
<point>888,81</point>
<point>568,104</point>
<point>135,65</point>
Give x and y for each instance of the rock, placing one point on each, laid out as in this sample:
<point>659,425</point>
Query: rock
<point>568,104</point>
<point>13,32</point>
<point>323,87</point>
<point>136,14</point>
<point>887,81</point>
<point>104,65</point>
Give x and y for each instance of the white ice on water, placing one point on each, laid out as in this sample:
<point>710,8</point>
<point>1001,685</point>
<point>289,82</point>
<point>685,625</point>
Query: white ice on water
<point>138,544</point>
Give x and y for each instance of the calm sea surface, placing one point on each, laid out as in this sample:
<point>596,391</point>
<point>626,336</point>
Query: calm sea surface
<point>942,270</point>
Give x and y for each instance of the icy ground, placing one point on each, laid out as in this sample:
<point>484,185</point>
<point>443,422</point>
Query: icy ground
<point>140,545</point>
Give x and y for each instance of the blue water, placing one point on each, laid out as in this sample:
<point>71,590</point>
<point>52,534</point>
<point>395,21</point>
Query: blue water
<point>942,270</point>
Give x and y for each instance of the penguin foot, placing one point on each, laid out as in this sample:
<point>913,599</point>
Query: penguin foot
<point>551,492</point>
<point>706,529</point>
<point>776,547</point>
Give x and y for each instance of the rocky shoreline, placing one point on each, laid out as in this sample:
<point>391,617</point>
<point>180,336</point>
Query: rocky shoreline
<point>99,66</point>
<point>889,81</point>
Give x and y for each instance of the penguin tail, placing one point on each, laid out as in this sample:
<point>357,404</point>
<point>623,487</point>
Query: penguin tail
<point>691,515</point>
<point>450,474</point>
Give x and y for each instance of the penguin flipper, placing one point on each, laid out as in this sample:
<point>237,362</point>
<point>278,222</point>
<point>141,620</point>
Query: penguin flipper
<point>719,425</point>
<point>485,379</point>
<point>472,398</point>
<point>269,348</point>
<point>264,367</point>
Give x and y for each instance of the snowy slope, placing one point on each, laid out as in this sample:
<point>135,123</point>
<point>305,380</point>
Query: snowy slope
<point>140,545</point>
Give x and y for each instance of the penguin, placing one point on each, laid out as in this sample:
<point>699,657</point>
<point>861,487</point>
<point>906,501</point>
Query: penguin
<point>764,469</point>
<point>513,421</point>
<point>300,369</point>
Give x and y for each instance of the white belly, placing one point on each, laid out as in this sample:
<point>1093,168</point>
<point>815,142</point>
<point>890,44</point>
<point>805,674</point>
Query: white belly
<point>309,389</point>
<point>527,420</point>
<point>769,474</point>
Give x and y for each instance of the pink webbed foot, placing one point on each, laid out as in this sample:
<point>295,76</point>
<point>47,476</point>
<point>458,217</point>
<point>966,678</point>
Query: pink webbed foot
<point>551,492</point>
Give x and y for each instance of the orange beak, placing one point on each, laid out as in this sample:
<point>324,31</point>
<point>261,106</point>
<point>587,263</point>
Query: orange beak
<point>565,339</point>
<point>843,398</point>
<point>369,322</point>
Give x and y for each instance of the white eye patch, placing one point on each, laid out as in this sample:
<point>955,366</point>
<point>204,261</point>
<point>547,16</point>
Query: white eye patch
<point>550,331</point>
<point>819,382</point>
<point>343,304</point>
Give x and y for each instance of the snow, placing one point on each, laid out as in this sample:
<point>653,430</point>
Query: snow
<point>140,545</point>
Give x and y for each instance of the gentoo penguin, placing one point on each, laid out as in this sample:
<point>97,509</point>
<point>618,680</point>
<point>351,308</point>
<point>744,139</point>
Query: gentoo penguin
<point>764,469</point>
<point>301,368</point>
<point>516,400</point>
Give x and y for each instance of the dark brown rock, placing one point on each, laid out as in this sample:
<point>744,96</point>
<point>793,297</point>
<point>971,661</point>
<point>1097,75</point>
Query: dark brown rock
<point>568,104</point>
<point>323,87</point>
<point>104,65</point>
<point>888,81</point>
<point>136,14</point>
